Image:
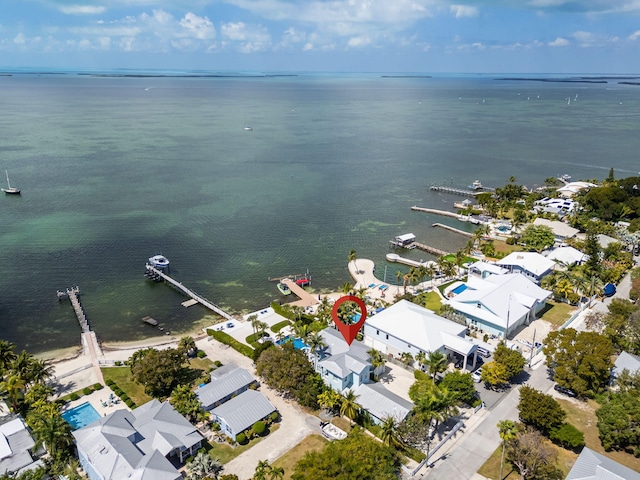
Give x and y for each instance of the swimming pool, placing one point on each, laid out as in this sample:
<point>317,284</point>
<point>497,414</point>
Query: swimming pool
<point>80,416</point>
<point>459,289</point>
<point>297,343</point>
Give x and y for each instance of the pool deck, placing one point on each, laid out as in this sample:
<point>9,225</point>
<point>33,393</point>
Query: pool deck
<point>96,399</point>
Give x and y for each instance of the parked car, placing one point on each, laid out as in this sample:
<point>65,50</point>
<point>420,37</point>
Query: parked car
<point>564,390</point>
<point>477,375</point>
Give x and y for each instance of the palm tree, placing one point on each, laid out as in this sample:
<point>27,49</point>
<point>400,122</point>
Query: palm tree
<point>421,358</point>
<point>329,400</point>
<point>406,358</point>
<point>430,270</point>
<point>389,432</point>
<point>253,319</point>
<point>7,355</point>
<point>301,330</point>
<point>353,256</point>
<point>399,276</point>
<point>21,365</point>
<point>40,371</point>
<point>316,343</point>
<point>346,288</point>
<point>12,388</point>
<point>507,431</point>
<point>276,473</point>
<point>187,346</point>
<point>262,469</point>
<point>349,406</point>
<point>377,360</point>
<point>436,363</point>
<point>53,432</point>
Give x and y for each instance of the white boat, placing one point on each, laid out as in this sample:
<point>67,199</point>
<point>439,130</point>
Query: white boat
<point>10,190</point>
<point>159,261</point>
<point>476,185</point>
<point>248,129</point>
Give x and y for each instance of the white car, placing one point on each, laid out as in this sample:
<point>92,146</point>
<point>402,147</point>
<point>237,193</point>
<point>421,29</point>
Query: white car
<point>477,375</point>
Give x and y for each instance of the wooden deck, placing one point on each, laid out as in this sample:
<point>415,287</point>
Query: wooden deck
<point>432,250</point>
<point>306,299</point>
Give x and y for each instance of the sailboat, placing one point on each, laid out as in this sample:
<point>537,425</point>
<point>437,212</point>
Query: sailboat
<point>10,189</point>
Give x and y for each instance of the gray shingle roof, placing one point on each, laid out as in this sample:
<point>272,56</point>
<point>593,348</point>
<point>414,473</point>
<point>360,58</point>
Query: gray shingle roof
<point>593,466</point>
<point>381,403</point>
<point>224,383</point>
<point>244,410</point>
<point>15,442</point>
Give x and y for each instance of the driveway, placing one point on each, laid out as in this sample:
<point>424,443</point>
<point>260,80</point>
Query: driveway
<point>397,380</point>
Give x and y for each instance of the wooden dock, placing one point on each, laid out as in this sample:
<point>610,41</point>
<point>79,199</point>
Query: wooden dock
<point>72,294</point>
<point>456,191</point>
<point>306,299</point>
<point>155,273</point>
<point>452,229</point>
<point>429,249</point>
<point>435,211</point>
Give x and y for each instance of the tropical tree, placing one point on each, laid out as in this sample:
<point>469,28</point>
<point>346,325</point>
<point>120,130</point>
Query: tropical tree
<point>253,319</point>
<point>538,237</point>
<point>406,358</point>
<point>187,346</point>
<point>421,358</point>
<point>203,466</point>
<point>53,432</point>
<point>346,288</point>
<point>436,363</point>
<point>389,432</point>
<point>12,388</point>
<point>7,355</point>
<point>316,343</point>
<point>330,400</point>
<point>353,256</point>
<point>349,406</point>
<point>377,360</point>
<point>186,402</point>
<point>262,470</point>
<point>507,431</point>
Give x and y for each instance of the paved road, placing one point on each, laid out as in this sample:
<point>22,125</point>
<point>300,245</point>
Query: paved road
<point>463,457</point>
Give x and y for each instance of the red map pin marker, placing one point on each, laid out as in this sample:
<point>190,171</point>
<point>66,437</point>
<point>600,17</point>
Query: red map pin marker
<point>349,332</point>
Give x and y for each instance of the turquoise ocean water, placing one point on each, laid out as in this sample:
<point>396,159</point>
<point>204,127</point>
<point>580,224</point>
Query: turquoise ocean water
<point>116,169</point>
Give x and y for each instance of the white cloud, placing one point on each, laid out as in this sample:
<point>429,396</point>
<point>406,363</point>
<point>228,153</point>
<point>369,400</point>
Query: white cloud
<point>19,39</point>
<point>463,11</point>
<point>198,27</point>
<point>248,39</point>
<point>82,9</point>
<point>634,36</point>
<point>360,41</point>
<point>559,42</point>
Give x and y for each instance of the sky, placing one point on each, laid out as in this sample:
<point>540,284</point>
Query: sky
<point>393,36</point>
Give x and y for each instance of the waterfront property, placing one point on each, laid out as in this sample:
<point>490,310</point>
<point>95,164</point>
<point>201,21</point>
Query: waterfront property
<point>484,269</point>
<point>561,231</point>
<point>499,304</point>
<point>226,382</point>
<point>407,327</point>
<point>532,265</point>
<point>241,412</point>
<point>81,415</point>
<point>566,256</point>
<point>342,366</point>
<point>137,444</point>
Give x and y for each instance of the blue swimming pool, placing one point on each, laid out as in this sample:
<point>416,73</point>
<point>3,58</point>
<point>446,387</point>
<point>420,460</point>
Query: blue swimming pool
<point>459,289</point>
<point>81,415</point>
<point>297,343</point>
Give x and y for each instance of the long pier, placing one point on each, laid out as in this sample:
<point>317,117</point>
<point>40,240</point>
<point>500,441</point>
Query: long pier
<point>429,249</point>
<point>395,258</point>
<point>72,294</point>
<point>452,229</point>
<point>201,300</point>
<point>435,211</point>
<point>455,191</point>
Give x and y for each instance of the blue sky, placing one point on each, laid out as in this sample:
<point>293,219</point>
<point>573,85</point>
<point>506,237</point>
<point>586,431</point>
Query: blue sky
<point>537,36</point>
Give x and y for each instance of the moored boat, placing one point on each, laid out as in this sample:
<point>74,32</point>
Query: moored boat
<point>10,190</point>
<point>284,289</point>
<point>476,185</point>
<point>303,281</point>
<point>159,261</point>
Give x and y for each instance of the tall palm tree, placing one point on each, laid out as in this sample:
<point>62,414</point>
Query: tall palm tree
<point>22,364</point>
<point>421,358</point>
<point>329,400</point>
<point>346,288</point>
<point>389,432</point>
<point>406,358</point>
<point>316,343</point>
<point>7,354</point>
<point>187,346</point>
<point>253,319</point>
<point>430,270</point>
<point>40,371</point>
<point>349,406</point>
<point>276,473</point>
<point>436,363</point>
<point>54,433</point>
<point>507,431</point>
<point>353,256</point>
<point>12,388</point>
<point>377,360</point>
<point>262,470</point>
<point>399,276</point>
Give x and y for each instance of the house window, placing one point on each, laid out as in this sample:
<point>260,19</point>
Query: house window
<point>479,305</point>
<point>408,346</point>
<point>387,335</point>
<point>377,332</point>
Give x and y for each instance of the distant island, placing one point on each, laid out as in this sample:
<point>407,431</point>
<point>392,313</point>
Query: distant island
<point>406,76</point>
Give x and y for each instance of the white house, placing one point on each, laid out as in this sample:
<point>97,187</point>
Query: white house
<point>241,412</point>
<point>532,265</point>
<point>570,189</point>
<point>566,256</point>
<point>226,382</point>
<point>16,445</point>
<point>484,269</point>
<point>558,206</point>
<point>561,231</point>
<point>340,365</point>
<point>407,327</point>
<point>137,444</point>
<point>499,304</point>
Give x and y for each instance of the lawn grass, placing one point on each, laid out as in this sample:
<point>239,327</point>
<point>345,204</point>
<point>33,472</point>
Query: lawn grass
<point>225,452</point>
<point>556,313</point>
<point>582,415</point>
<point>123,378</point>
<point>311,443</point>
<point>203,364</point>
<point>491,468</point>
<point>503,247</point>
<point>430,300</point>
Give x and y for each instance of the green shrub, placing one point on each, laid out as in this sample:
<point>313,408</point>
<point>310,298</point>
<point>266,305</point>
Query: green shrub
<point>124,397</point>
<point>261,347</point>
<point>259,427</point>
<point>118,363</point>
<point>201,354</point>
<point>241,438</point>
<point>87,390</point>
<point>217,363</point>
<point>568,436</point>
<point>98,386</point>
<point>274,416</point>
<point>109,382</point>
<point>130,403</point>
<point>215,426</point>
<point>74,396</point>
<point>280,325</point>
<point>118,392</point>
<point>227,339</point>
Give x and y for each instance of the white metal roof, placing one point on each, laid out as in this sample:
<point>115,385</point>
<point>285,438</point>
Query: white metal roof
<point>560,229</point>
<point>243,411</point>
<point>381,403</point>
<point>532,262</point>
